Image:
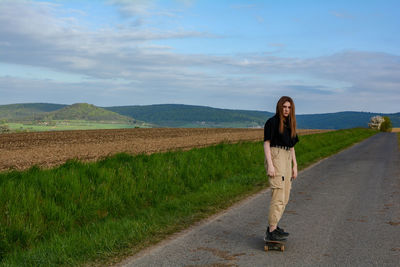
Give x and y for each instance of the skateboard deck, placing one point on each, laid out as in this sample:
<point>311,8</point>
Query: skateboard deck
<point>274,245</point>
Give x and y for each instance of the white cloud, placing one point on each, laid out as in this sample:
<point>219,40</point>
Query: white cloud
<point>277,45</point>
<point>37,37</point>
<point>259,19</point>
<point>133,7</point>
<point>342,15</point>
<point>140,8</point>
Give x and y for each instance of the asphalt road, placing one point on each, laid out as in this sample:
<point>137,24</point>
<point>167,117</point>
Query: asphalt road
<point>344,211</point>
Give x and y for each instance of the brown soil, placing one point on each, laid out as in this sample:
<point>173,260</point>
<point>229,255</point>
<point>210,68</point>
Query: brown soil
<point>47,149</point>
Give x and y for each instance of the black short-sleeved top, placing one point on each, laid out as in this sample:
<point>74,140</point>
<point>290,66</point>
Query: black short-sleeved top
<point>271,132</point>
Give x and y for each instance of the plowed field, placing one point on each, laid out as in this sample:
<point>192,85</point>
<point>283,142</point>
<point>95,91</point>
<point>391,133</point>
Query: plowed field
<point>47,149</point>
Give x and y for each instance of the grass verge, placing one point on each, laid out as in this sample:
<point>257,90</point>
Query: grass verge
<point>69,125</point>
<point>89,213</point>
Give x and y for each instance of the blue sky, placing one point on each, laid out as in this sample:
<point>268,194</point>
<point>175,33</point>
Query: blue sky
<point>328,55</point>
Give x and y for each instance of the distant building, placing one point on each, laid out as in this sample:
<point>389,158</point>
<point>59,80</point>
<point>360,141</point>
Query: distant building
<point>375,122</point>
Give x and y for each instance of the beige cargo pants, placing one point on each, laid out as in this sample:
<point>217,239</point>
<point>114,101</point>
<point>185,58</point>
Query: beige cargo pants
<point>280,184</point>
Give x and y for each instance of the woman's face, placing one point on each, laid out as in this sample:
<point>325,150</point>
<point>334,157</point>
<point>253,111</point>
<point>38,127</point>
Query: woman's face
<point>286,109</point>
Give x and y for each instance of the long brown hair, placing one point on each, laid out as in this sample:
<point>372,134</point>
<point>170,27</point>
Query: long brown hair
<point>291,117</point>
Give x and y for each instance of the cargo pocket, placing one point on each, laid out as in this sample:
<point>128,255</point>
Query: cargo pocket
<point>277,181</point>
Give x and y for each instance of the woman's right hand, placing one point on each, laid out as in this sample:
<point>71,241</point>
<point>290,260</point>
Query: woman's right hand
<point>271,170</point>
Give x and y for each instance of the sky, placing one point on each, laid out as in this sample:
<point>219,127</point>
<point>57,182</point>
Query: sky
<point>329,56</point>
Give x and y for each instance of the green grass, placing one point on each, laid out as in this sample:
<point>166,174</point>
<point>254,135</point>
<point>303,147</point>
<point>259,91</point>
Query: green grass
<point>245,124</point>
<point>83,213</point>
<point>69,125</point>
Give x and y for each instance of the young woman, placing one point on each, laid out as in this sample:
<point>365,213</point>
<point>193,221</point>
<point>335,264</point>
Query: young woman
<point>280,162</point>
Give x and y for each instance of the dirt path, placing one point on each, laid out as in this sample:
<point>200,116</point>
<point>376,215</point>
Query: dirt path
<point>47,149</point>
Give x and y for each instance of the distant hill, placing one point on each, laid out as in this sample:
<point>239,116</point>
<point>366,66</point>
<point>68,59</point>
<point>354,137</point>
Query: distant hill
<point>341,120</point>
<point>177,115</point>
<point>15,112</point>
<point>84,111</point>
<point>173,115</point>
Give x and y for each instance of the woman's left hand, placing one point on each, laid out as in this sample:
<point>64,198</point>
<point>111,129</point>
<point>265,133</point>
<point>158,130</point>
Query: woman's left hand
<point>294,172</point>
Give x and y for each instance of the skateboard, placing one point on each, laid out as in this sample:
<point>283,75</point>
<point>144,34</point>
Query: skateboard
<point>274,245</point>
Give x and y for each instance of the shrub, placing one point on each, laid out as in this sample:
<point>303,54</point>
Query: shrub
<point>386,125</point>
<point>4,129</point>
